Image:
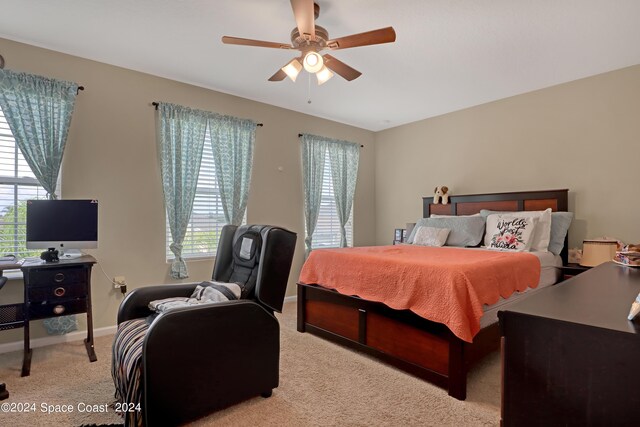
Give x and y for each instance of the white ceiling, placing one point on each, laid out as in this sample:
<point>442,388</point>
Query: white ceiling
<point>449,54</point>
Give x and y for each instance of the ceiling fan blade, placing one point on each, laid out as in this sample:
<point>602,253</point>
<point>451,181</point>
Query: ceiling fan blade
<point>257,43</point>
<point>341,68</point>
<point>304,15</point>
<point>291,69</point>
<point>278,76</point>
<point>383,35</point>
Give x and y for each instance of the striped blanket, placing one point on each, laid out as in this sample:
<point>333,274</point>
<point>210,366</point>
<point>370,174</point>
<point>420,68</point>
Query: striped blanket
<point>126,366</point>
<point>205,293</point>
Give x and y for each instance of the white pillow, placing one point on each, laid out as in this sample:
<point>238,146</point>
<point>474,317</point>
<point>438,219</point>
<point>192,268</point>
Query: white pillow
<point>431,236</point>
<point>510,233</point>
<point>542,235</point>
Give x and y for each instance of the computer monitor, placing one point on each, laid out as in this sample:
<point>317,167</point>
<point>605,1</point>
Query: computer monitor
<point>62,224</point>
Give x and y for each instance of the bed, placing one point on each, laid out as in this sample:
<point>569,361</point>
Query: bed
<point>427,349</point>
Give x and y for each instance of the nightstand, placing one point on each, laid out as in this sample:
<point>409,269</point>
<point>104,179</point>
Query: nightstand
<point>571,270</point>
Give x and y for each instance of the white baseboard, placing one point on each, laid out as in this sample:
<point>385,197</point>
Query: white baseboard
<point>56,339</point>
<point>291,298</point>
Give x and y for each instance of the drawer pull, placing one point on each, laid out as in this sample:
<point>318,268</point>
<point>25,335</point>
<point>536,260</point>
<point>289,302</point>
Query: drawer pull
<point>59,277</point>
<point>58,309</point>
<point>59,291</point>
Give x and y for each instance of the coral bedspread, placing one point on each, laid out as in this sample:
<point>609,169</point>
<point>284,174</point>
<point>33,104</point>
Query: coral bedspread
<point>444,285</point>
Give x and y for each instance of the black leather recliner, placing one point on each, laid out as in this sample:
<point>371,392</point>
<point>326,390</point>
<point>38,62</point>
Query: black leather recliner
<point>199,359</point>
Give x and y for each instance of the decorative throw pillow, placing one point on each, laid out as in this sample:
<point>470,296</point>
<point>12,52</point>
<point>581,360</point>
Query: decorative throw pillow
<point>542,234</point>
<point>510,233</point>
<point>431,236</point>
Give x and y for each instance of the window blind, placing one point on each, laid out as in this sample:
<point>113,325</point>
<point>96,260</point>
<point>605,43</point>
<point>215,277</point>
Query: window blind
<point>207,217</point>
<point>17,185</point>
<point>327,231</point>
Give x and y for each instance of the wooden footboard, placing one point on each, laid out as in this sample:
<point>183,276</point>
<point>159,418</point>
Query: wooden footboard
<point>399,337</point>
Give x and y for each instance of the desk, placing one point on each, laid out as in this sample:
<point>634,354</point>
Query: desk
<point>570,356</point>
<point>51,290</point>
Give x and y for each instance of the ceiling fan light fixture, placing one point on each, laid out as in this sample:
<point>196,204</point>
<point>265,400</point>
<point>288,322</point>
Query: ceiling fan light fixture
<point>309,39</point>
<point>323,75</point>
<point>313,62</point>
<point>293,68</point>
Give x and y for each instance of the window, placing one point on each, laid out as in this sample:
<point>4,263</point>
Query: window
<point>17,185</point>
<point>327,231</point>
<point>207,217</point>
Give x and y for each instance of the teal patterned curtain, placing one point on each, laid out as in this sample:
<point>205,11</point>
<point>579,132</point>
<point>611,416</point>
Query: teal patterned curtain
<point>344,173</point>
<point>180,138</point>
<point>314,150</point>
<point>38,110</point>
<point>232,140</point>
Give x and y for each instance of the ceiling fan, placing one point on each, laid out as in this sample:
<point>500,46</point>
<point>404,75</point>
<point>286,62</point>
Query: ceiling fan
<point>310,40</point>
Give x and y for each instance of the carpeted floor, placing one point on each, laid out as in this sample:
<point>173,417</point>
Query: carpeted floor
<point>321,384</point>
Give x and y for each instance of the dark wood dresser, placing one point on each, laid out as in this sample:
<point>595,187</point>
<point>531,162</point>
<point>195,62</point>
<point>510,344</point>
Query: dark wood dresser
<point>570,356</point>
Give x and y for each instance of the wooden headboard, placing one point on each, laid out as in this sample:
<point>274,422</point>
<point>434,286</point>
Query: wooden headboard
<point>471,204</point>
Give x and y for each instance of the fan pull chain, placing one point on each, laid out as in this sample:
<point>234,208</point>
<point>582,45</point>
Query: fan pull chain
<point>309,88</point>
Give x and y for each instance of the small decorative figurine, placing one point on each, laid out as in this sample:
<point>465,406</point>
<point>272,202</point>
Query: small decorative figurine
<point>441,192</point>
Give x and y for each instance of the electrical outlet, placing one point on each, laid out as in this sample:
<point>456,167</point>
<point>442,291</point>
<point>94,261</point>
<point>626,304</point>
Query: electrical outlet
<point>119,281</point>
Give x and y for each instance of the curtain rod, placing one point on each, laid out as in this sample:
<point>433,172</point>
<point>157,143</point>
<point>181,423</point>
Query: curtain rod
<point>2,67</point>
<point>300,136</point>
<point>156,104</point>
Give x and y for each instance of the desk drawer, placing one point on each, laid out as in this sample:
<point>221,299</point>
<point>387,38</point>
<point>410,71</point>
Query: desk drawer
<point>57,276</point>
<point>58,308</point>
<point>55,292</point>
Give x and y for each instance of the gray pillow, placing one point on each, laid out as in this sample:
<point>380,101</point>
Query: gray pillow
<point>465,230</point>
<point>560,222</point>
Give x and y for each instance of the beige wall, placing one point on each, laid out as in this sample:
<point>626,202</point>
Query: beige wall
<point>583,135</point>
<point>111,156</point>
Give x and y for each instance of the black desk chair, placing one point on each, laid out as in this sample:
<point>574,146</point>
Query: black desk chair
<point>4,393</point>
